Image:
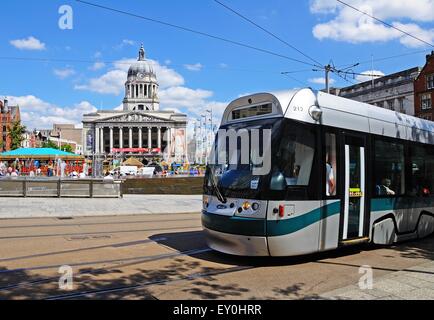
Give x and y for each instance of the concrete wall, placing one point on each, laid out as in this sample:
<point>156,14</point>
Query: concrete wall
<point>181,185</point>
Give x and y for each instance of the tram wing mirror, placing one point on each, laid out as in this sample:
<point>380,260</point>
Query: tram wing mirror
<point>315,112</point>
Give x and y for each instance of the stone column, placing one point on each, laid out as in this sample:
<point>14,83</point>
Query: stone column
<point>121,137</point>
<point>159,138</point>
<point>97,140</point>
<point>140,137</point>
<point>130,137</point>
<point>111,140</point>
<point>102,140</point>
<point>169,138</point>
<point>149,138</point>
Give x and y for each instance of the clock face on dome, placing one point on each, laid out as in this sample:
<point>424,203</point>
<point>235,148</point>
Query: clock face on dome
<point>140,75</point>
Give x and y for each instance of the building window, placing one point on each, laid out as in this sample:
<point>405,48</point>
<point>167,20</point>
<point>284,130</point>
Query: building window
<point>425,101</point>
<point>430,81</point>
<point>401,104</point>
<point>391,104</point>
<point>380,104</point>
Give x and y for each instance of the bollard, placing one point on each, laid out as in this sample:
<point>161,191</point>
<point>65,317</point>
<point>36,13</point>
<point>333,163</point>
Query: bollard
<point>25,187</point>
<point>91,189</point>
<point>58,188</point>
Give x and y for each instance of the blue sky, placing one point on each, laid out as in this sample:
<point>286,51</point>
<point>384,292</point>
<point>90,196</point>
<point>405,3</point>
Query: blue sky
<point>195,72</point>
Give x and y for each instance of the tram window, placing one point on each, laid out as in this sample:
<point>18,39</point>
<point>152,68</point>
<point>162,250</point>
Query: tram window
<point>330,164</point>
<point>389,168</point>
<point>252,111</point>
<point>293,160</point>
<point>422,170</point>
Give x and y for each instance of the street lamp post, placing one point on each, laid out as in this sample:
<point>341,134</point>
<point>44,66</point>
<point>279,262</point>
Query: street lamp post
<point>204,139</point>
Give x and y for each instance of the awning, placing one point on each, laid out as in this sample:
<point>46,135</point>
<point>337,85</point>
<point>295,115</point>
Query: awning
<point>39,154</point>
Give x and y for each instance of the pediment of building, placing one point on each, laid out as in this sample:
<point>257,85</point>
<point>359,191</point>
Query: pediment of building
<point>132,117</point>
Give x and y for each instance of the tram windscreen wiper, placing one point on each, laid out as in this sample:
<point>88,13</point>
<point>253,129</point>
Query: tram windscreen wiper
<point>214,184</point>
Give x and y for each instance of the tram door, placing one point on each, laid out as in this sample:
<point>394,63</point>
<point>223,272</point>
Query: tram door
<point>354,195</point>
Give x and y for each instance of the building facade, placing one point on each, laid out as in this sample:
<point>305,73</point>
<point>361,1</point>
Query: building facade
<point>394,91</point>
<point>8,115</point>
<point>424,90</point>
<point>141,128</point>
<point>61,135</point>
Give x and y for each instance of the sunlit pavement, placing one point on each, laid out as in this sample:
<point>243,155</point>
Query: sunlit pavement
<point>77,207</point>
<point>164,256</point>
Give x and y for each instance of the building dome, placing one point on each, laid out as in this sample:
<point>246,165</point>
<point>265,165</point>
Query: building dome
<point>141,68</point>
<point>141,88</point>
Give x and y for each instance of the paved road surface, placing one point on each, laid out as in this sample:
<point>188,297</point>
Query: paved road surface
<point>164,256</point>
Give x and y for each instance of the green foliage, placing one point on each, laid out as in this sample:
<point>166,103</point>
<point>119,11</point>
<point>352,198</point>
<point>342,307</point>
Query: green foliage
<point>67,148</point>
<point>50,144</point>
<point>16,135</point>
<point>53,145</point>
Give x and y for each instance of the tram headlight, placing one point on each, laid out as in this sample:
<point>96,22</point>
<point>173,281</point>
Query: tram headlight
<point>246,205</point>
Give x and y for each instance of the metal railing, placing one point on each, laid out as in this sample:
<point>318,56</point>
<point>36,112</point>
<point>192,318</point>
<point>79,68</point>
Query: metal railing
<point>60,187</point>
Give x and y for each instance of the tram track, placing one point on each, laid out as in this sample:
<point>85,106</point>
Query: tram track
<point>145,284</point>
<point>86,224</point>
<point>131,261</point>
<point>93,233</point>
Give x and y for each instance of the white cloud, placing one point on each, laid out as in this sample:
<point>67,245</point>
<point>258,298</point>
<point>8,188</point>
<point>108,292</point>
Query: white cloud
<point>64,73</point>
<point>124,43</point>
<point>30,43</point>
<point>182,97</point>
<point>36,113</point>
<point>351,26</point>
<point>97,66</point>
<point>193,67</point>
<point>367,75</point>
<point>321,80</point>
<point>111,82</point>
<point>415,30</point>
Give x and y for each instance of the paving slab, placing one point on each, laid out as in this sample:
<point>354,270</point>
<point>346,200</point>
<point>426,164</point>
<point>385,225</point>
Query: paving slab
<point>414,283</point>
<point>76,207</point>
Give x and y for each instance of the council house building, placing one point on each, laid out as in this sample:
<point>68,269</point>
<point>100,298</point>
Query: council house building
<point>141,129</point>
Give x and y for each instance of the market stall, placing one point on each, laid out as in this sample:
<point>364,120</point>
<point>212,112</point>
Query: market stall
<point>40,162</point>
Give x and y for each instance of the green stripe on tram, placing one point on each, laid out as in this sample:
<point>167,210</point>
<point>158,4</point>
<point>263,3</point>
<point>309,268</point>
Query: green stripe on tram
<point>262,227</point>
<point>390,204</point>
<point>287,226</point>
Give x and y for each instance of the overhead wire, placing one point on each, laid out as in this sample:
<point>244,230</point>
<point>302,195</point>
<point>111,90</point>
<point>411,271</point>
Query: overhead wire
<point>186,29</point>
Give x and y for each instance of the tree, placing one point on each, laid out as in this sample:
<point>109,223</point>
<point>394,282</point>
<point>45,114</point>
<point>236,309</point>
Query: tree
<point>50,144</point>
<point>16,134</point>
<point>67,148</point>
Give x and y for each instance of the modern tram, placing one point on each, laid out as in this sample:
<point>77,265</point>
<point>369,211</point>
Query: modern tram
<point>302,171</point>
